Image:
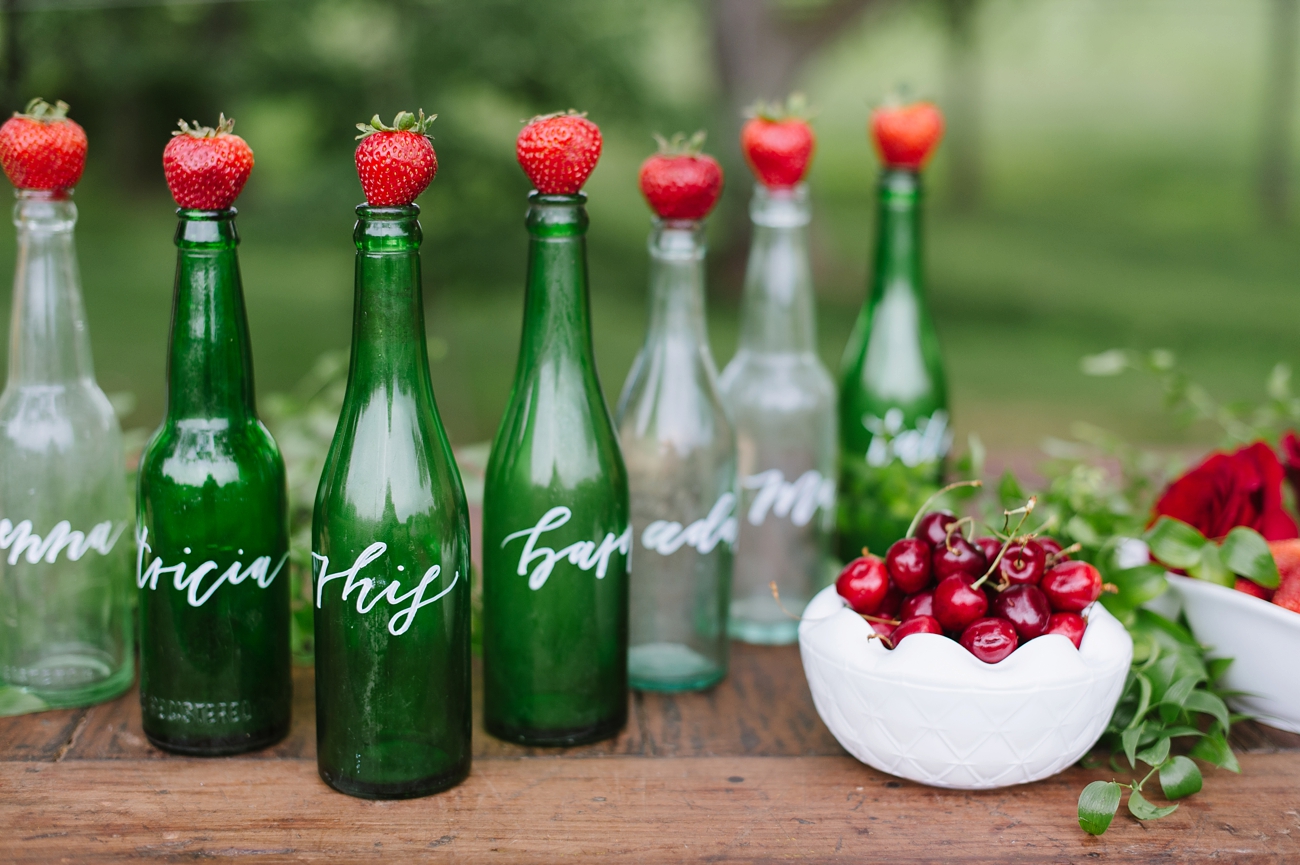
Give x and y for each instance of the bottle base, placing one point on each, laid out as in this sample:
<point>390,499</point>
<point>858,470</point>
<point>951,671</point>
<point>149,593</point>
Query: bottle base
<point>764,633</point>
<point>426,786</point>
<point>597,732</point>
<point>69,679</point>
<point>671,667</point>
<point>217,746</point>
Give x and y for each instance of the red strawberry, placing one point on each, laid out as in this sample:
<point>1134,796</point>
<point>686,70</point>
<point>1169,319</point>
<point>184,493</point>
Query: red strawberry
<point>778,143</point>
<point>906,135</point>
<point>396,163</point>
<point>679,182</point>
<point>558,152</point>
<point>41,148</point>
<point>207,168</point>
<point>1287,556</point>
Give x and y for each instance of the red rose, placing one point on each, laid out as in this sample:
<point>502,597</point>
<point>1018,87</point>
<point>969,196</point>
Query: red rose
<point>1229,490</point>
<point>1291,464</point>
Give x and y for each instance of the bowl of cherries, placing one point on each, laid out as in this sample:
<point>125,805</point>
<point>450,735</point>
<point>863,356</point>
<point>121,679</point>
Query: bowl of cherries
<point>965,662</point>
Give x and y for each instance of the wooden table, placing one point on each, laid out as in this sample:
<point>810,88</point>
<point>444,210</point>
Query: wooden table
<point>744,773</point>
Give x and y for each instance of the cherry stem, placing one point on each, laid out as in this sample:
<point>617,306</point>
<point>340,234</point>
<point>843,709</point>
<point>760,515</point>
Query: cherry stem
<point>1024,512</point>
<point>889,644</point>
<point>955,526</point>
<point>911,529</point>
<point>1056,557</point>
<point>776,596</point>
<point>883,621</point>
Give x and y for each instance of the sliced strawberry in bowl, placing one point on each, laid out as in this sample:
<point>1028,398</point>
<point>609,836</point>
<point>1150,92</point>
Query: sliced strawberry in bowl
<point>396,163</point>
<point>41,148</point>
<point>558,152</point>
<point>206,167</point>
<point>681,182</point>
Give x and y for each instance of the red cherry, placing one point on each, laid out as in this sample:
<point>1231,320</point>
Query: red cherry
<point>1071,586</point>
<point>956,604</point>
<point>920,604</point>
<point>884,629</point>
<point>958,556</point>
<point>908,562</point>
<point>1026,608</point>
<point>1068,625</point>
<point>933,527</point>
<point>990,640</point>
<point>1023,563</point>
<point>891,603</point>
<point>919,625</point>
<point>1052,547</point>
<point>863,583</point>
<point>990,547</point>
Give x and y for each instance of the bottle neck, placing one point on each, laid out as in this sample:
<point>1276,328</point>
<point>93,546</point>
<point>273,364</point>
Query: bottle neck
<point>898,233</point>
<point>557,309</point>
<point>388,343</point>
<point>677,251</point>
<point>48,339</point>
<point>210,360</point>
<point>778,312</point>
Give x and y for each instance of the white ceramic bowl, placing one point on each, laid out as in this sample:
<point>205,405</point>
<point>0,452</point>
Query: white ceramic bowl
<point>930,712</point>
<point>1263,640</point>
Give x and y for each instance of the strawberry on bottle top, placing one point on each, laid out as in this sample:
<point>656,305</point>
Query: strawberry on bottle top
<point>905,136</point>
<point>41,148</point>
<point>681,182</point>
<point>558,151</point>
<point>396,163</point>
<point>778,143</point>
<point>206,168</point>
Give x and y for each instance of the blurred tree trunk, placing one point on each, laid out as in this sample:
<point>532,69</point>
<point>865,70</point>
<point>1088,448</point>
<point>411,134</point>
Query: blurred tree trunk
<point>1279,100</point>
<point>13,61</point>
<point>962,93</point>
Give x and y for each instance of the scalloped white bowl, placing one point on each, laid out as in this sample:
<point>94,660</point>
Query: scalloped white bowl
<point>1263,640</point>
<point>930,712</point>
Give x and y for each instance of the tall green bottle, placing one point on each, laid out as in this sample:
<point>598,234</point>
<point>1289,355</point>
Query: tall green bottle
<point>390,547</point>
<point>895,429</point>
<point>212,523</point>
<point>557,534</point>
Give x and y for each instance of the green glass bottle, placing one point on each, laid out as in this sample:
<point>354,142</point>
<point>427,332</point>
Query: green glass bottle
<point>895,430</point>
<point>390,548</point>
<point>557,534</point>
<point>212,523</point>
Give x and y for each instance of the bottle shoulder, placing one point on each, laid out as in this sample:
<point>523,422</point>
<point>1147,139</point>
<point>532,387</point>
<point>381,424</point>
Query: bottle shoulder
<point>775,376</point>
<point>194,452</point>
<point>59,419</point>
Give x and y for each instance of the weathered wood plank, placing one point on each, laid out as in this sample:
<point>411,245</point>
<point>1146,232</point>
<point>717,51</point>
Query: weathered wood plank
<point>745,809</point>
<point>43,736</point>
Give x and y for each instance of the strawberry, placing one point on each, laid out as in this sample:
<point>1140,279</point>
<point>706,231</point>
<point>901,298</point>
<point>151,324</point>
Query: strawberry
<point>680,182</point>
<point>206,168</point>
<point>906,135</point>
<point>558,152</point>
<point>396,163</point>
<point>41,148</point>
<point>778,143</point>
<point>1287,556</point>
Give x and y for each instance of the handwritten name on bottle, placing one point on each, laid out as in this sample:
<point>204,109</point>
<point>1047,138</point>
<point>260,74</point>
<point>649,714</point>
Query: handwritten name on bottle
<point>666,537</point>
<point>798,499</point>
<point>260,570</point>
<point>18,539</point>
<point>585,554</point>
<point>401,621</point>
<point>927,443</point>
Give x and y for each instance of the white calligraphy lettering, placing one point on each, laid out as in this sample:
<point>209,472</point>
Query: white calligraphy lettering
<point>666,538</point>
<point>18,539</point>
<point>798,500</point>
<point>259,569</point>
<point>585,554</point>
<point>401,621</point>
<point>928,442</point>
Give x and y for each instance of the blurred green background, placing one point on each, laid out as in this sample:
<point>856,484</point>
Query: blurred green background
<point>1116,174</point>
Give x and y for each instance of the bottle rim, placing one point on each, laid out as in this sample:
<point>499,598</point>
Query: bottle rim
<point>197,215</point>
<point>374,213</point>
<point>576,199</point>
<point>43,194</point>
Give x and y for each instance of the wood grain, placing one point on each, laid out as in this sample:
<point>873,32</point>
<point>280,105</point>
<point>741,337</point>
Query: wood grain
<point>744,773</point>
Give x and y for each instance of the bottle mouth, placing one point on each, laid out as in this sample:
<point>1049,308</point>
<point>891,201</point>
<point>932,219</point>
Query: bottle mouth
<point>677,239</point>
<point>372,213</point>
<point>43,194</point>
<point>574,200</point>
<point>206,215</point>
<point>780,208</point>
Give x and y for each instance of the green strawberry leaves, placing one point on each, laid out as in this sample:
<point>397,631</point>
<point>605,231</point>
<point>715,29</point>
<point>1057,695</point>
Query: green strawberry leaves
<point>405,121</point>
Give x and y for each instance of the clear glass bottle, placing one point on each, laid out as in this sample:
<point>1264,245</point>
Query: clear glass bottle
<point>556,535</point>
<point>680,452</point>
<point>782,402</point>
<point>65,548</point>
<point>894,425</point>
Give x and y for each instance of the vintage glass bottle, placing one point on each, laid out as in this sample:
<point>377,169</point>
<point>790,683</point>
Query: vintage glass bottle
<point>782,401</point>
<point>390,548</point>
<point>65,544</point>
<point>895,429</point>
<point>680,452</point>
<point>556,532</point>
<point>212,523</point>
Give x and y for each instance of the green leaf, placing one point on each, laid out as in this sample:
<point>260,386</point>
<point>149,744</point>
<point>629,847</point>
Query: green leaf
<point>1097,806</point>
<point>1180,777</point>
<point>1140,808</point>
<point>1138,585</point>
<point>1179,691</point>
<point>1010,492</point>
<point>1204,701</point>
<point>1144,701</point>
<point>1214,749</point>
<point>1175,732</point>
<point>1175,543</point>
<point>1130,739</point>
<point>1156,754</point>
<point>1217,667</point>
<point>1211,568</point>
<point>1245,552</point>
